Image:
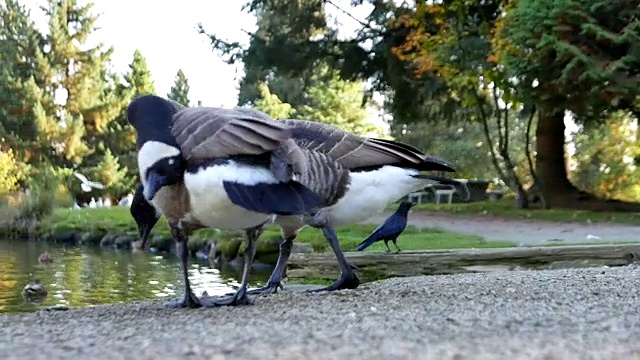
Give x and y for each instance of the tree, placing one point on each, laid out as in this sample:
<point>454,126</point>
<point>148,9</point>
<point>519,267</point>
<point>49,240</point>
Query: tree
<point>338,102</point>
<point>179,92</point>
<point>120,136</point>
<point>20,42</point>
<point>272,105</point>
<point>11,171</point>
<point>68,92</point>
<point>575,55</point>
<point>604,160</point>
<point>114,176</point>
<point>139,78</point>
<point>316,92</point>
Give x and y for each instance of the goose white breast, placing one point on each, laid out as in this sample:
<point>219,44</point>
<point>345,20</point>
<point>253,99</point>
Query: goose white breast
<point>210,204</point>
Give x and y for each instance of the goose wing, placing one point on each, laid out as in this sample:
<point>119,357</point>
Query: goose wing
<point>354,151</point>
<point>207,133</point>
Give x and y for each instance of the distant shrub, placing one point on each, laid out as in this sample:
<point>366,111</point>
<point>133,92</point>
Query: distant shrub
<point>38,201</point>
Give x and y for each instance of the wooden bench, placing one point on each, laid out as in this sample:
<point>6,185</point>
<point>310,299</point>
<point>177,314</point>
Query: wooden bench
<point>446,192</point>
<point>417,195</point>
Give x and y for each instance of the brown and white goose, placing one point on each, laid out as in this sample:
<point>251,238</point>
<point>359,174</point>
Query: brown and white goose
<point>221,169</point>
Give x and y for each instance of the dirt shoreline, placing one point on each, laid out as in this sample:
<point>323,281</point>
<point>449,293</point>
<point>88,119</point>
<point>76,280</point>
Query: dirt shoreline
<point>555,314</point>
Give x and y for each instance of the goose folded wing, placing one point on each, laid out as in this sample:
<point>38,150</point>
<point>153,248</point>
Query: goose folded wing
<point>208,133</point>
<point>354,151</point>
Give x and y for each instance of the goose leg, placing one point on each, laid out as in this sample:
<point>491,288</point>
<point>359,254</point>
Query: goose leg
<point>348,279</point>
<point>241,296</point>
<point>275,280</point>
<point>190,300</point>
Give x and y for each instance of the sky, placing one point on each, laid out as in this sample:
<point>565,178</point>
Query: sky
<point>166,34</point>
<point>168,38</point>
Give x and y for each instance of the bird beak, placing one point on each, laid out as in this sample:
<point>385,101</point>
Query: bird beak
<point>154,183</point>
<point>145,230</point>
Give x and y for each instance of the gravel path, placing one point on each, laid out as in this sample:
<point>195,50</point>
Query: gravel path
<point>557,314</point>
<point>524,232</point>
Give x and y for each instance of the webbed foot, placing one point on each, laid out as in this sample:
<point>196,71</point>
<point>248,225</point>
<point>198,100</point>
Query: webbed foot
<point>190,301</point>
<point>344,282</point>
<point>241,297</point>
<point>270,288</point>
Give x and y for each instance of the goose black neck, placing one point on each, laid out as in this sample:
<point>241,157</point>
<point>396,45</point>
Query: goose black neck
<point>152,118</point>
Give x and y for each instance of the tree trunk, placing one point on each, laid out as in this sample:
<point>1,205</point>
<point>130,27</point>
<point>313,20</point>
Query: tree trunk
<point>551,166</point>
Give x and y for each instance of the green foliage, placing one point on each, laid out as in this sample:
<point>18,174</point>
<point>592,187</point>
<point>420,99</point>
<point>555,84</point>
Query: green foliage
<point>139,77</point>
<point>337,102</point>
<point>272,105</point>
<point>605,156</point>
<point>19,43</point>
<point>40,199</point>
<point>11,172</point>
<point>583,53</point>
<point>120,137</point>
<point>114,176</point>
<point>179,92</point>
<point>463,144</point>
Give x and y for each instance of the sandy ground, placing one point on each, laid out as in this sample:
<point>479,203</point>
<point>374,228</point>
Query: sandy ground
<point>524,232</point>
<point>555,314</point>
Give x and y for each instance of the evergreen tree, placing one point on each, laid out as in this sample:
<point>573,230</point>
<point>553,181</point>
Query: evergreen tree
<point>179,92</point>
<point>114,176</point>
<point>338,102</point>
<point>139,77</point>
<point>272,105</point>
<point>20,41</point>
<point>120,137</point>
<point>71,106</point>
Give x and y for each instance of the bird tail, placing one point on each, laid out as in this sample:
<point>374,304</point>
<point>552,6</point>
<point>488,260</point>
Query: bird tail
<point>366,243</point>
<point>446,181</point>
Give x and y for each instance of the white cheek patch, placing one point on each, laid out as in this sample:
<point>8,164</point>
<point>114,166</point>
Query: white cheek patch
<point>151,152</point>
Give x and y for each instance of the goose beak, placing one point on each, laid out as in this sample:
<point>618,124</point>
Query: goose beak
<point>145,230</point>
<point>154,183</point>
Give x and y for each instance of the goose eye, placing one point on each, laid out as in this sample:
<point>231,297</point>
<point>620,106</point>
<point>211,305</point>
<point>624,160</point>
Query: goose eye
<point>171,161</point>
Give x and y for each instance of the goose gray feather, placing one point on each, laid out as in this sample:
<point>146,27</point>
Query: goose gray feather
<point>208,133</point>
<point>354,151</point>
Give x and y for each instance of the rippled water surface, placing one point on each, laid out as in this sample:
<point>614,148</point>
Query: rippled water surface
<point>90,276</point>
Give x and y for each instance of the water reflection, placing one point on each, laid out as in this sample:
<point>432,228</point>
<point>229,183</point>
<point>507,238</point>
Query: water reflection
<point>88,276</point>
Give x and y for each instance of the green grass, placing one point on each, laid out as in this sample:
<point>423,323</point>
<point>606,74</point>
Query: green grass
<point>506,208</point>
<point>118,220</point>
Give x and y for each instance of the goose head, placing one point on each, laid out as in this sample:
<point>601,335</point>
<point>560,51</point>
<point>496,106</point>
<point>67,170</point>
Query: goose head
<point>159,159</point>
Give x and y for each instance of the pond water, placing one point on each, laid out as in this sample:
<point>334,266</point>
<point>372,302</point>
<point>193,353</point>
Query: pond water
<point>81,276</point>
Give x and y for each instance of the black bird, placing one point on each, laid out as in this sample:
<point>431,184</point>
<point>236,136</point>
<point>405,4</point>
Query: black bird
<point>144,214</point>
<point>390,228</point>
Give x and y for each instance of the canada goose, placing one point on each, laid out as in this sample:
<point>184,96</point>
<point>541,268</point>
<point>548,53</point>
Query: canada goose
<point>45,258</point>
<point>223,169</point>
<point>144,214</point>
<point>368,175</point>
<point>87,185</point>
<point>34,290</point>
<point>348,171</point>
